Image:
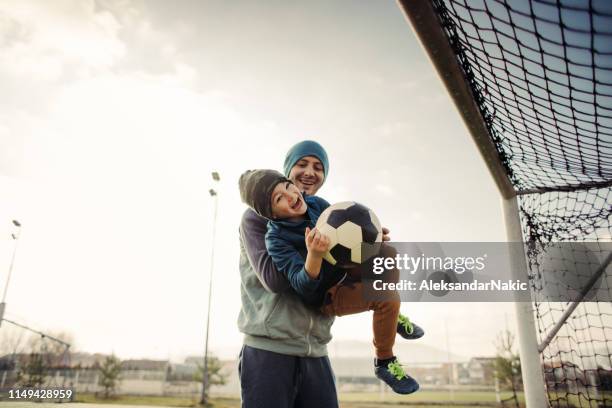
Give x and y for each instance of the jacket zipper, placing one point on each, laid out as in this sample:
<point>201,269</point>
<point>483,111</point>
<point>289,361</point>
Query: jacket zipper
<point>308,335</point>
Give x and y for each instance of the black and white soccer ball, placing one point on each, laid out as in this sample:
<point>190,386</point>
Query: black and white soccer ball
<point>349,225</point>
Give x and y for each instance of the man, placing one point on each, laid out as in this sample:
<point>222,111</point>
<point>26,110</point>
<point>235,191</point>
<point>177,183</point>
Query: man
<point>283,362</point>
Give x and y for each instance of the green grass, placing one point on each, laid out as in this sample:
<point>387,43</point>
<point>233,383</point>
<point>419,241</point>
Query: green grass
<point>429,396</point>
<point>138,400</point>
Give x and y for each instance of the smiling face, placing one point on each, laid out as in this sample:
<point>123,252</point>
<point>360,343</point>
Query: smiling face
<point>308,174</point>
<point>287,202</point>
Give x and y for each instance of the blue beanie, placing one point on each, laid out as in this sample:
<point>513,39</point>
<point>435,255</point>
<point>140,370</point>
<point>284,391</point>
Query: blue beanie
<point>303,149</point>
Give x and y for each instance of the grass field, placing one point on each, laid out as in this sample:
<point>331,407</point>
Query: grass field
<point>424,399</point>
<point>348,400</point>
<point>428,396</point>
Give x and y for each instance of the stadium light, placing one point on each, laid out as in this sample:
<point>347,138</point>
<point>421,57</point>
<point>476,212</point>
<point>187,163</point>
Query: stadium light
<point>215,197</point>
<point>15,237</point>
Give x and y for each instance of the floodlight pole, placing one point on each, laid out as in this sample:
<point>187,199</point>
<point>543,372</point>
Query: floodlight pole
<point>15,237</point>
<point>215,197</point>
<point>426,25</point>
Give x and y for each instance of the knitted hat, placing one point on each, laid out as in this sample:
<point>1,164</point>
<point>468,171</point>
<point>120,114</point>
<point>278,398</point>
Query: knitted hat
<point>303,149</point>
<point>256,187</point>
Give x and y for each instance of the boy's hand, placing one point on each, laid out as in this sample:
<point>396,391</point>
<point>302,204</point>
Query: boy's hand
<point>385,236</point>
<point>316,243</point>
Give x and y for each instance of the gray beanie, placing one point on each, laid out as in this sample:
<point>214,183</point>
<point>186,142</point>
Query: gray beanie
<point>256,187</point>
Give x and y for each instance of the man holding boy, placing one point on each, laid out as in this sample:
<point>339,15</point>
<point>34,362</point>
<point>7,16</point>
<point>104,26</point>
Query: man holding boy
<point>284,361</point>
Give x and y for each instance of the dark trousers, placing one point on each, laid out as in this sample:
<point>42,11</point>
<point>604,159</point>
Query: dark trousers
<point>272,380</point>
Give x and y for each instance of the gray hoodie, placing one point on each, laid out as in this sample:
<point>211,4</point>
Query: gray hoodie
<point>272,317</point>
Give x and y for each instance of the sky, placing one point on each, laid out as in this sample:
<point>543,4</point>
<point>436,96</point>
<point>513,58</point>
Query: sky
<point>115,113</point>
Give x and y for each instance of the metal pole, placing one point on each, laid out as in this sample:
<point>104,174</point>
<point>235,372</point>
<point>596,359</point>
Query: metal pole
<point>62,342</point>
<point>213,193</point>
<point>531,367</point>
<point>424,20</point>
<point>10,271</point>
<point>426,25</point>
<point>451,389</point>
<point>568,312</point>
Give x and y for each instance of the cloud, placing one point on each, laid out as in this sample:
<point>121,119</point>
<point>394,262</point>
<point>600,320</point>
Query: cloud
<point>125,155</point>
<point>111,121</point>
<point>384,189</point>
<point>393,129</point>
<point>40,40</point>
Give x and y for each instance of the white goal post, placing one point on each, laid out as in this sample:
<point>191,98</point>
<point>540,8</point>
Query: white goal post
<point>424,21</point>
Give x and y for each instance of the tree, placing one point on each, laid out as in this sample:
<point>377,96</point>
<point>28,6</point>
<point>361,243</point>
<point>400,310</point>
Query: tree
<point>33,374</point>
<point>33,368</point>
<point>59,354</point>
<point>508,364</point>
<point>32,354</point>
<point>55,354</point>
<point>215,375</point>
<point>110,375</point>
<point>12,341</point>
<point>12,345</point>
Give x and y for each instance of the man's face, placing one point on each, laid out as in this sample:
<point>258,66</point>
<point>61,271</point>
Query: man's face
<point>287,201</point>
<point>307,174</point>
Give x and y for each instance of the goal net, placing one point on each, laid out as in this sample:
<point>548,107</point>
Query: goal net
<point>540,75</point>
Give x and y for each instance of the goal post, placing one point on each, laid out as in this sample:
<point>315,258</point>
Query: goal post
<point>425,24</point>
<point>532,81</point>
<point>531,364</point>
<point>424,21</point>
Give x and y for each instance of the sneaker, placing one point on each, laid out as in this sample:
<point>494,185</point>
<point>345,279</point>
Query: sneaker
<point>407,329</point>
<point>394,376</point>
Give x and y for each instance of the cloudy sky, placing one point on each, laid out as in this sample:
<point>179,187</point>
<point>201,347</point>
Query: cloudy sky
<point>114,113</point>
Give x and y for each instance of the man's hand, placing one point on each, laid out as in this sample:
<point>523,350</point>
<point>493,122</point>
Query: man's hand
<point>385,236</point>
<point>316,243</point>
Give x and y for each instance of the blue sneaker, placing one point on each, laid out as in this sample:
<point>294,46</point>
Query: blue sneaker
<point>407,329</point>
<point>394,376</point>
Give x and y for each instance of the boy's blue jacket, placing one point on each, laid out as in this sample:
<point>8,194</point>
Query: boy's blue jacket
<point>286,245</point>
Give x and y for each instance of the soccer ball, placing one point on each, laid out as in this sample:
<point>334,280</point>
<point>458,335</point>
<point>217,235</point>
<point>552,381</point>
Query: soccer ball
<point>349,225</point>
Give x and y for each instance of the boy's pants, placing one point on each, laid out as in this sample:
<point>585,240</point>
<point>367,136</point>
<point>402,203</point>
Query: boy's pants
<point>273,380</point>
<point>347,298</point>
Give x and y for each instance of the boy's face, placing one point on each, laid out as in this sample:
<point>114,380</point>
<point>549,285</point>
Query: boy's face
<point>287,201</point>
<point>307,174</point>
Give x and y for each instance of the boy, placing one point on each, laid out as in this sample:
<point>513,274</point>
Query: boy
<point>291,236</point>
